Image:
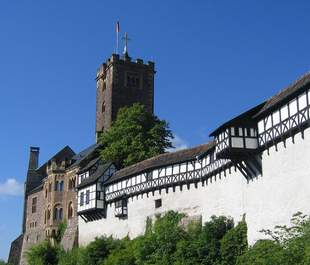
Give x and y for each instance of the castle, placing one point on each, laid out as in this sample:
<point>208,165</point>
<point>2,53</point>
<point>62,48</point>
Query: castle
<point>256,165</point>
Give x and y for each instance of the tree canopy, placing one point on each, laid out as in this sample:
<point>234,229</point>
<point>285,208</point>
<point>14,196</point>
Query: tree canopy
<point>134,136</point>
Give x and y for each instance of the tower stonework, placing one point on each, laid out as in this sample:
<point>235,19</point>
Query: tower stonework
<point>122,82</point>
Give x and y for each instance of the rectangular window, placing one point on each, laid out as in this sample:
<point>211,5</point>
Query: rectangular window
<point>82,199</point>
<point>98,195</point>
<point>158,203</point>
<point>133,80</point>
<point>232,131</point>
<point>61,186</point>
<point>34,205</point>
<point>248,132</point>
<point>87,197</point>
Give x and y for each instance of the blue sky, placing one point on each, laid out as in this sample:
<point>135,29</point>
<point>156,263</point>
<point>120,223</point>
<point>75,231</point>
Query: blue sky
<point>214,59</point>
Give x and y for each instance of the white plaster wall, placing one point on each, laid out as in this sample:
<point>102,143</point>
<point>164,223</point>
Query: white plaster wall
<point>283,189</point>
<point>269,200</point>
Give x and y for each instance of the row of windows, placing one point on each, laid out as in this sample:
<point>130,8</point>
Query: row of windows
<point>247,132</point>
<point>121,209</point>
<point>58,213</point>
<point>59,186</point>
<point>33,224</point>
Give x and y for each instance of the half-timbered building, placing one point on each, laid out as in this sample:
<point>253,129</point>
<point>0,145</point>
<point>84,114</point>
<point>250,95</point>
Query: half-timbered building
<point>256,165</point>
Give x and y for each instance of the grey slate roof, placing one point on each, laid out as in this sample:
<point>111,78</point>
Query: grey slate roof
<point>99,168</point>
<point>80,157</point>
<point>162,160</point>
<point>35,177</point>
<point>286,94</point>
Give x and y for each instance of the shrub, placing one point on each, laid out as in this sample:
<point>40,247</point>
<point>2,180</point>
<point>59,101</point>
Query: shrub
<point>42,254</point>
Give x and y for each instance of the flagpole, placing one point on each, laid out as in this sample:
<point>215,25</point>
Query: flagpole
<point>117,36</point>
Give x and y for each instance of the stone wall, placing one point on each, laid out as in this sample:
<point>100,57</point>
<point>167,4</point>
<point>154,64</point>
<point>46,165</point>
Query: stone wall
<point>15,251</point>
<point>35,230</point>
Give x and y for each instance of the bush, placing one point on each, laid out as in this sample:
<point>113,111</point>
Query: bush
<point>42,254</point>
<point>70,257</point>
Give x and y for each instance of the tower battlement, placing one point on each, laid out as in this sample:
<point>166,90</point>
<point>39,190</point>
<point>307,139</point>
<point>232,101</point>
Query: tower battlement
<point>122,82</point>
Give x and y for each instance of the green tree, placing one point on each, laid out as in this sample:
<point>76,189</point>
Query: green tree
<point>264,252</point>
<point>158,245</point>
<point>2,262</point>
<point>123,254</point>
<point>97,251</point>
<point>234,244</point>
<point>136,135</point>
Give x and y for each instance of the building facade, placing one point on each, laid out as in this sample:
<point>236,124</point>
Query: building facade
<point>256,165</point>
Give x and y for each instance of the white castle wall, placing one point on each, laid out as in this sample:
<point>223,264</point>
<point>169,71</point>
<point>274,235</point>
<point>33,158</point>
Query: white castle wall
<point>269,200</point>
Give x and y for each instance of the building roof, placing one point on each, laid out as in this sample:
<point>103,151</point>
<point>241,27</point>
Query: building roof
<point>286,94</point>
<point>244,118</point>
<point>35,177</point>
<point>99,167</point>
<point>80,157</point>
<point>162,160</point>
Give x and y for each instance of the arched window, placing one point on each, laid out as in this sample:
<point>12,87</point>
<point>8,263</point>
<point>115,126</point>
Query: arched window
<point>71,184</point>
<point>48,214</point>
<point>70,210</point>
<point>58,212</point>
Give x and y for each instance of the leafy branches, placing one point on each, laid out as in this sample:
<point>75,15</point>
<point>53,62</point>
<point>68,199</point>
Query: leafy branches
<point>136,135</point>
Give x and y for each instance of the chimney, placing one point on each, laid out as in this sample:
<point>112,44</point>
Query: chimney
<point>34,158</point>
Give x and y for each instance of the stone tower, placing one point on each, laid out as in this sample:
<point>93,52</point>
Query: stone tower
<point>122,82</point>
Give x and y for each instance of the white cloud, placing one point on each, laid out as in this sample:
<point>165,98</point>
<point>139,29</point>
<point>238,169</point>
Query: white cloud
<point>178,143</point>
<point>11,187</point>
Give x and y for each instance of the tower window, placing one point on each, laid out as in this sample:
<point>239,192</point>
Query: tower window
<point>133,80</point>
<point>103,107</point>
<point>34,205</point>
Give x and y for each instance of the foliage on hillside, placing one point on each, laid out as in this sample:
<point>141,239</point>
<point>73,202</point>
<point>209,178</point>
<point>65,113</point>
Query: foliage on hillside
<point>167,242</point>
<point>135,135</point>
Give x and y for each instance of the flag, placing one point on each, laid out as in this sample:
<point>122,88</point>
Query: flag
<point>117,27</point>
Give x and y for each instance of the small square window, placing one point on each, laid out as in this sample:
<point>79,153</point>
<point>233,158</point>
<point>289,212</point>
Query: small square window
<point>158,203</point>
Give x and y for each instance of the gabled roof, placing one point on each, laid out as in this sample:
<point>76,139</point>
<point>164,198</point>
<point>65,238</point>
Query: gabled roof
<point>244,118</point>
<point>84,155</point>
<point>97,167</point>
<point>162,160</point>
<point>35,177</point>
<point>286,94</point>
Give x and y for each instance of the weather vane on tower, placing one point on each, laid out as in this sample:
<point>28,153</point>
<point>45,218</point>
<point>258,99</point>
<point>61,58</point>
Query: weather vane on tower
<point>126,39</point>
